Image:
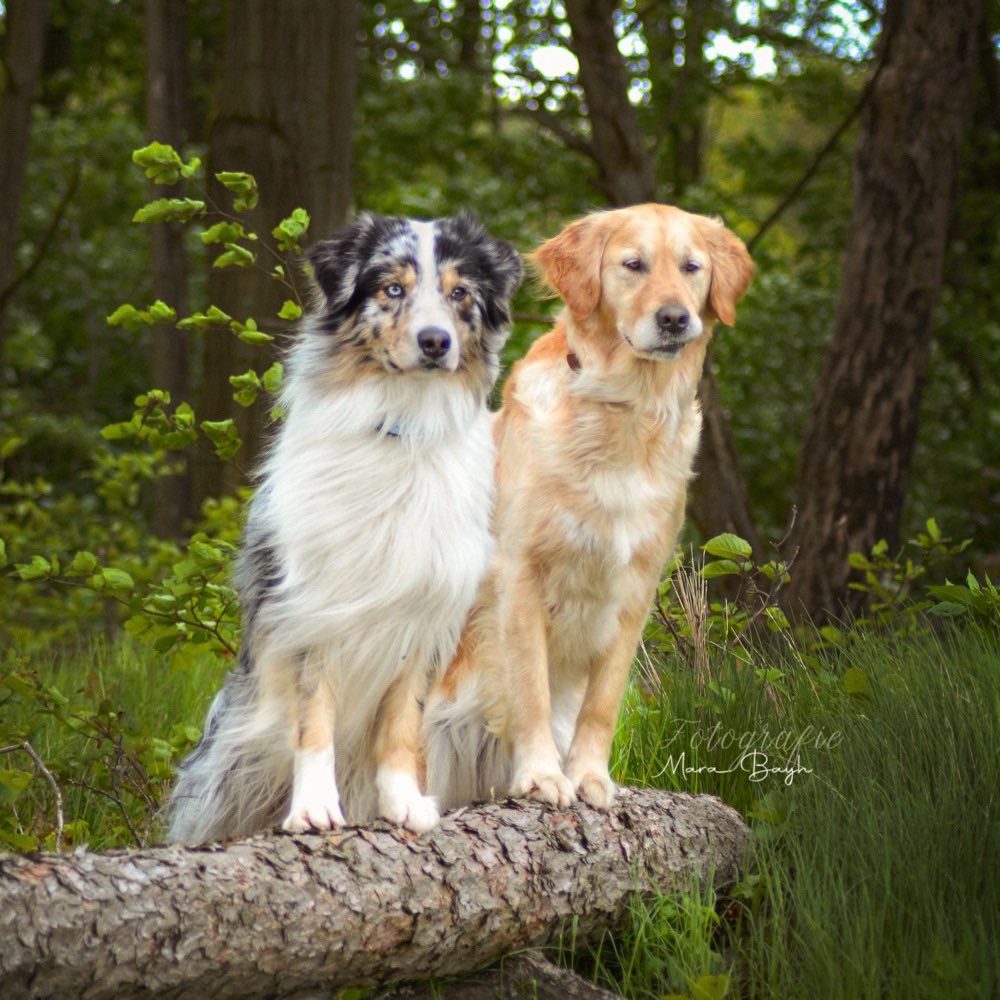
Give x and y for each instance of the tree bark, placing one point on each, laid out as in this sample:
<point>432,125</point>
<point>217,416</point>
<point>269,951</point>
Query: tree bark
<point>719,498</point>
<point>285,114</point>
<point>166,47</point>
<point>24,46</point>
<point>853,472</point>
<point>524,974</point>
<point>276,916</point>
<point>617,146</point>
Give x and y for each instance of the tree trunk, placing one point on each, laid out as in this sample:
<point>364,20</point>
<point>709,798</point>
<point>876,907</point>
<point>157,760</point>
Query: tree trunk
<point>24,46</point>
<point>855,462</point>
<point>617,143</point>
<point>285,113</point>
<point>719,499</point>
<point>275,916</point>
<point>166,46</point>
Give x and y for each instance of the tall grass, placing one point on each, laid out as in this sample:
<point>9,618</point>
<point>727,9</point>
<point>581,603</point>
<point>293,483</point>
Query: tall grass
<point>876,850</point>
<point>108,722</point>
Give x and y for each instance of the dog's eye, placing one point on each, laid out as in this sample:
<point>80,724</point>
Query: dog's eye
<point>632,264</point>
<point>691,266</point>
<point>394,290</point>
<point>458,293</point>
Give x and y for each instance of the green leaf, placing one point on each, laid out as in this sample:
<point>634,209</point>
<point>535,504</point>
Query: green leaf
<point>247,387</point>
<point>776,619</point>
<point>129,317</point>
<point>169,210</point>
<point>160,163</point>
<point>235,256</point>
<point>223,435</point>
<point>38,569</point>
<point>289,231</point>
<point>248,332</point>
<point>83,564</point>
<point>116,579</point>
<point>271,379</point>
<point>3,553</point>
<point>203,320</point>
<point>242,185</point>
<point>720,567</point>
<point>290,310</point>
<point>222,232</point>
<point>13,782</point>
<point>162,313</point>
<point>728,546</point>
<point>20,842</point>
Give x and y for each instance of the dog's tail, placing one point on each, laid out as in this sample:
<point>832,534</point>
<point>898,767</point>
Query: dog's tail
<point>236,781</point>
<point>466,761</point>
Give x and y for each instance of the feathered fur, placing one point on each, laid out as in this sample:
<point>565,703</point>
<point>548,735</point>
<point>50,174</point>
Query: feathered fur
<point>366,537</point>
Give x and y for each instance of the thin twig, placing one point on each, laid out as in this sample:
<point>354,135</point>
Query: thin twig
<point>50,778</point>
<point>43,246</point>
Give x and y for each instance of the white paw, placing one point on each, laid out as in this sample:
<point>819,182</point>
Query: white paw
<point>314,816</point>
<point>545,785</point>
<point>401,802</point>
<point>595,788</point>
<point>315,800</point>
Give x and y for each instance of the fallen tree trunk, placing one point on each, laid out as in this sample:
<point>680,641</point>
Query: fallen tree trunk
<point>276,916</point>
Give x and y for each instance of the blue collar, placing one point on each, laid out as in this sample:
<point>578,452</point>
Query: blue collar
<point>394,430</point>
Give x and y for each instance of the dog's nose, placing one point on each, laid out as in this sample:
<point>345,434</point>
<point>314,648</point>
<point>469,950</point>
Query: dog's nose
<point>434,342</point>
<point>672,319</point>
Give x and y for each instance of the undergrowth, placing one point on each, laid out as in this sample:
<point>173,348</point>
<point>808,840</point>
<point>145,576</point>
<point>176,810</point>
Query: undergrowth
<point>870,776</point>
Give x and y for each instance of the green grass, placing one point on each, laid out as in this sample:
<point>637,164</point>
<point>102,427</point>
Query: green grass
<point>876,865</point>
<point>109,723</point>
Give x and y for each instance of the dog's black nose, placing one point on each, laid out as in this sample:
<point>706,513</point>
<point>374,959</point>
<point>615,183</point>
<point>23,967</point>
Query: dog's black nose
<point>672,319</point>
<point>434,342</point>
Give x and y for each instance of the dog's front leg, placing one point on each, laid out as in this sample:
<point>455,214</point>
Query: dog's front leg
<point>396,745</point>
<point>315,800</point>
<point>590,752</point>
<point>537,772</point>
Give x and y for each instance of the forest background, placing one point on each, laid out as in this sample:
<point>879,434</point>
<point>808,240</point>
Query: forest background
<point>848,405</point>
<point>854,406</point>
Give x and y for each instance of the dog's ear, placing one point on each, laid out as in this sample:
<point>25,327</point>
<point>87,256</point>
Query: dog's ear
<point>570,263</point>
<point>338,262</point>
<point>732,269</point>
<point>496,265</point>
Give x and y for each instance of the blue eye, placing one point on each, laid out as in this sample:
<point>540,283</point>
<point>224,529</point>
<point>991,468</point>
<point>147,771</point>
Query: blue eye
<point>394,290</point>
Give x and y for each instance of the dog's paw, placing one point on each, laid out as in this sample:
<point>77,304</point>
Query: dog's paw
<point>551,787</point>
<point>313,816</point>
<point>315,799</point>
<point>596,789</point>
<point>401,802</point>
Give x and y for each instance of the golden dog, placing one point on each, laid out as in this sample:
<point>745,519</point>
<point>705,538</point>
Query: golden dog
<point>595,445</point>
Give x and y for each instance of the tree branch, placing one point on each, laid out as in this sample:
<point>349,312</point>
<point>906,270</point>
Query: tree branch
<point>274,916</point>
<point>46,241</point>
<point>553,123</point>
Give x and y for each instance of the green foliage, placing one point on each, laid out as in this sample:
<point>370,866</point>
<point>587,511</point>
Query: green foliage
<point>666,950</point>
<point>86,749</point>
<point>889,580</point>
<point>177,597</point>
